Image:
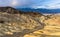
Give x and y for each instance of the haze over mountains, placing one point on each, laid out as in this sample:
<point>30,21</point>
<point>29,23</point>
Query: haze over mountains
<point>40,10</point>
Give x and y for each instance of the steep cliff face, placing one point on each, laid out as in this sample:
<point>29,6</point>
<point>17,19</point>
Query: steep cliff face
<point>14,22</point>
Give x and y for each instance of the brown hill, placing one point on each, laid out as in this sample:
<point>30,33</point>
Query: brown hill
<point>14,22</point>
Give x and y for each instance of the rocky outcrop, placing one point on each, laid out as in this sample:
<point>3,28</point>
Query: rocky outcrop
<point>17,23</point>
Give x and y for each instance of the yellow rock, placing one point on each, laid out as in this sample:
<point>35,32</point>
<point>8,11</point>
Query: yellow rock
<point>38,32</point>
<point>9,33</point>
<point>29,36</point>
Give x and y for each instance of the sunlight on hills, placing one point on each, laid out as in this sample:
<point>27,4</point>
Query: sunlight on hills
<point>51,29</point>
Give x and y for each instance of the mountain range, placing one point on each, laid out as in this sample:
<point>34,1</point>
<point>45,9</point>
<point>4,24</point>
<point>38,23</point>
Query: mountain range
<point>40,10</point>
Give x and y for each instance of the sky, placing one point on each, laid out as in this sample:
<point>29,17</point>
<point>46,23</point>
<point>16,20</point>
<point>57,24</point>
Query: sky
<point>49,4</point>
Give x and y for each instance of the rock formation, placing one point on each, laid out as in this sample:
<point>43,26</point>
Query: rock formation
<point>14,23</point>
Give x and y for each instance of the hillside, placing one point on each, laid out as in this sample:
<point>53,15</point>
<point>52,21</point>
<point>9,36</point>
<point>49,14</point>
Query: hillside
<point>51,29</point>
<point>15,23</point>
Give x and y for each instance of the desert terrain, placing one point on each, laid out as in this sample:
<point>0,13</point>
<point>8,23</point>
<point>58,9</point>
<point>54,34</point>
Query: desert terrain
<point>14,23</point>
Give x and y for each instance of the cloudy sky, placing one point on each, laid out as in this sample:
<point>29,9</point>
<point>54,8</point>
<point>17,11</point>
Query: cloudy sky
<point>50,4</point>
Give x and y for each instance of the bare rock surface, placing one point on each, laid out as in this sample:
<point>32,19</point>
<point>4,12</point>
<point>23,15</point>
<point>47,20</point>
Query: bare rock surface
<point>14,23</point>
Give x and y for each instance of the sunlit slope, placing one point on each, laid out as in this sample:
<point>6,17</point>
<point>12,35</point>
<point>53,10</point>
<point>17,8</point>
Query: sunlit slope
<point>22,23</point>
<point>52,28</point>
